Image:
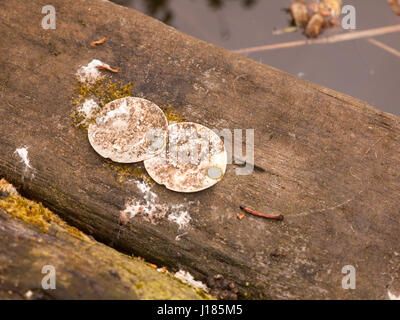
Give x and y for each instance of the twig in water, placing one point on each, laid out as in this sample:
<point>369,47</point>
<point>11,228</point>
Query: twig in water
<point>384,47</point>
<point>284,30</point>
<point>263,215</point>
<point>332,39</point>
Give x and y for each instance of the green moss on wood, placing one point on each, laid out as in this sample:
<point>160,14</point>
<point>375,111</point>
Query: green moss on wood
<point>33,213</point>
<point>171,114</point>
<point>128,171</point>
<point>28,211</point>
<point>102,91</point>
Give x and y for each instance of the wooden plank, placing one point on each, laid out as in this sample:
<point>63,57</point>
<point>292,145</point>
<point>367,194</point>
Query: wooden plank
<point>331,162</point>
<point>83,268</point>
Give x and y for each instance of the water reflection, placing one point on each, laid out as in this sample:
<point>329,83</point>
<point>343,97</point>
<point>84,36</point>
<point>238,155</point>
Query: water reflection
<point>345,67</point>
<point>161,10</point>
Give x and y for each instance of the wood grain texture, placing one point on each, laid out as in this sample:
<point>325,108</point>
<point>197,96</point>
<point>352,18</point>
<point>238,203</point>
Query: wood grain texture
<point>84,268</point>
<point>332,162</point>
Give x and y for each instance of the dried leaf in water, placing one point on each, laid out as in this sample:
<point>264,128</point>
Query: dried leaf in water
<point>331,8</point>
<point>315,26</point>
<point>395,6</point>
<point>299,12</point>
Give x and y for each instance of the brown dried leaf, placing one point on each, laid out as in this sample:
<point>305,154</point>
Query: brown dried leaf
<point>395,6</point>
<point>240,216</point>
<point>315,26</point>
<point>95,43</point>
<point>105,67</point>
<point>299,13</point>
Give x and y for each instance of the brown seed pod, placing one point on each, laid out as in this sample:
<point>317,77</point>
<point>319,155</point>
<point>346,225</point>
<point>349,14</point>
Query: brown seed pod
<point>129,130</point>
<point>194,159</point>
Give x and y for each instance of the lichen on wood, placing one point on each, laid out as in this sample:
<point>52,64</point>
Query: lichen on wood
<point>172,114</point>
<point>102,91</point>
<point>39,237</point>
<point>128,171</point>
<point>33,213</point>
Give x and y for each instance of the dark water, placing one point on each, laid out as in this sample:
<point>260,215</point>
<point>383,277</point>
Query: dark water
<point>356,67</point>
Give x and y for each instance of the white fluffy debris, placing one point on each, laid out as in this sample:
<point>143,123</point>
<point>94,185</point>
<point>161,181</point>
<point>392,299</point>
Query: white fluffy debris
<point>89,108</point>
<point>179,236</point>
<point>28,294</point>
<point>23,154</point>
<point>187,278</point>
<point>392,296</point>
<point>122,110</point>
<point>90,73</point>
<point>148,207</point>
<point>181,218</point>
<point>151,210</point>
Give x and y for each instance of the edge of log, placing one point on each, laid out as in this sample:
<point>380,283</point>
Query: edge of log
<point>31,237</point>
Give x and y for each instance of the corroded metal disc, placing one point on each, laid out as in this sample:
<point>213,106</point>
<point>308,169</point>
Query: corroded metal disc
<point>129,130</point>
<point>194,159</point>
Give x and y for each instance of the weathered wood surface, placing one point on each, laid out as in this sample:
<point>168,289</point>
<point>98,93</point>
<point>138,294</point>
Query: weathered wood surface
<point>332,162</point>
<point>84,268</point>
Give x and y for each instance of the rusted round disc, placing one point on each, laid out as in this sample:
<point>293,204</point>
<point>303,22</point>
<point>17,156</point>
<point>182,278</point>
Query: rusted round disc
<point>129,130</point>
<point>194,159</point>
